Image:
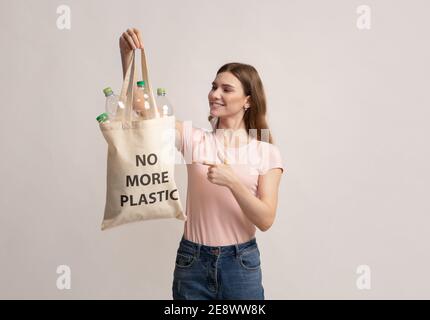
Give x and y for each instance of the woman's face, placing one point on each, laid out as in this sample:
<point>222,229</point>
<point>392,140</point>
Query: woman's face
<point>227,97</point>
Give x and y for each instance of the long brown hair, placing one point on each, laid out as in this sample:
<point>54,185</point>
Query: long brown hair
<point>255,116</point>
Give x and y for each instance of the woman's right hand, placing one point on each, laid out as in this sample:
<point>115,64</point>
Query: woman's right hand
<point>130,40</point>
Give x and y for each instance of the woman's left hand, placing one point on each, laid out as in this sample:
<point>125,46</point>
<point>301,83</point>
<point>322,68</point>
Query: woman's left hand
<point>221,174</point>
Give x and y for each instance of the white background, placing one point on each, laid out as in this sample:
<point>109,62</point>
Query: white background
<point>348,108</point>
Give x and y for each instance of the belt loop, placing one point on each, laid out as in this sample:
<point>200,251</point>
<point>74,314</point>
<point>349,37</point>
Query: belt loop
<point>198,250</point>
<point>237,250</point>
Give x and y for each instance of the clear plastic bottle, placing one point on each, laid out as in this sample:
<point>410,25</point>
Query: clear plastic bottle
<point>141,103</point>
<point>163,103</point>
<point>112,103</point>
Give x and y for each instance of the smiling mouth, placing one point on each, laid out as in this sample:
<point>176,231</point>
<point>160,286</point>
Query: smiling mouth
<point>217,104</point>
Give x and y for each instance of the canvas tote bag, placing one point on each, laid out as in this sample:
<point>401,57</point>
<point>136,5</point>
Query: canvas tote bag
<point>140,161</point>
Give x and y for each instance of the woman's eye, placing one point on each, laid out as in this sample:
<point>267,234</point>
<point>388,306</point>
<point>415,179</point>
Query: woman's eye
<point>214,88</point>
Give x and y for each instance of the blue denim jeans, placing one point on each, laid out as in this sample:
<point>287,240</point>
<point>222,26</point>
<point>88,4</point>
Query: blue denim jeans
<point>217,273</point>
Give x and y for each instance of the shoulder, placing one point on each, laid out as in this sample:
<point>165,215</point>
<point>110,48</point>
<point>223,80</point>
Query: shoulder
<point>270,157</point>
<point>266,149</point>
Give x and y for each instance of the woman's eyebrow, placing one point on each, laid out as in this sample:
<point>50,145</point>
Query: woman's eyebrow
<point>225,84</point>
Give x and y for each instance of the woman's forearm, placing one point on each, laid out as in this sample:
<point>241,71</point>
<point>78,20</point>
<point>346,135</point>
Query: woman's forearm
<point>258,212</point>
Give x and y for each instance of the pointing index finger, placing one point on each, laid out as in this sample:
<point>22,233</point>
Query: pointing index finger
<point>205,163</point>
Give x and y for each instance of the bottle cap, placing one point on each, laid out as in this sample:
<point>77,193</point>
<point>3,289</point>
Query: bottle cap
<point>161,91</point>
<point>103,117</point>
<point>107,91</point>
<point>141,83</point>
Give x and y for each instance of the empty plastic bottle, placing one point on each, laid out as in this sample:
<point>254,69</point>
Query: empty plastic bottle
<point>163,103</point>
<point>112,103</point>
<point>141,103</point>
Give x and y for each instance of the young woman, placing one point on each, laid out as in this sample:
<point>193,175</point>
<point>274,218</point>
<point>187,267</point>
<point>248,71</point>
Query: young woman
<point>234,173</point>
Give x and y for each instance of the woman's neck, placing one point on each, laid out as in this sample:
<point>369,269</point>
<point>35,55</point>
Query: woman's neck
<point>231,124</point>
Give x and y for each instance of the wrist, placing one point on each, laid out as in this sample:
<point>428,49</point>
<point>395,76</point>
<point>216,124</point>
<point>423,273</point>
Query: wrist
<point>234,184</point>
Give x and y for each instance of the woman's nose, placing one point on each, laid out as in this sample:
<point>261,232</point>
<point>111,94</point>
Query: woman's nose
<point>214,94</point>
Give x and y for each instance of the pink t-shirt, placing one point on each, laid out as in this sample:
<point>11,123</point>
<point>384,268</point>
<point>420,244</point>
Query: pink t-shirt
<point>214,217</point>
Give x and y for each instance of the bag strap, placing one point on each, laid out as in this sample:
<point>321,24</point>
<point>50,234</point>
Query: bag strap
<point>130,78</point>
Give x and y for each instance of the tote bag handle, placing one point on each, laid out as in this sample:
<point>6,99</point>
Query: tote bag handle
<point>126,96</point>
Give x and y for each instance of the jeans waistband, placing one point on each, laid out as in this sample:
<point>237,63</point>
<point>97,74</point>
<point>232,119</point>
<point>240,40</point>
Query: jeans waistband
<point>234,249</point>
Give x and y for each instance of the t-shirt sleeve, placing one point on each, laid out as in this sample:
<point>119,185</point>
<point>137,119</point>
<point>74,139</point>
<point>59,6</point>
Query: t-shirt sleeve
<point>271,158</point>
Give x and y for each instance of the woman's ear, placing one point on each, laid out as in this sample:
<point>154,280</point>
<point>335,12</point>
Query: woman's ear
<point>248,100</point>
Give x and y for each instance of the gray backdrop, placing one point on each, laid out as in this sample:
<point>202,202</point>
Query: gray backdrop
<point>347,106</point>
